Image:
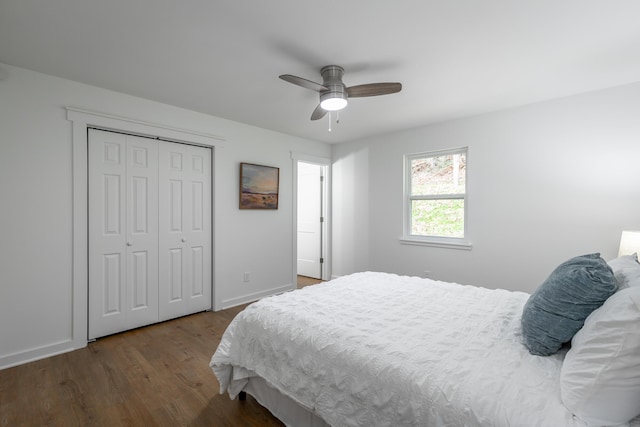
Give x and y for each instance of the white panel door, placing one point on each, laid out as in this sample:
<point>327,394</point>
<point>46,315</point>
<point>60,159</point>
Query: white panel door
<point>123,243</point>
<point>309,225</point>
<point>185,230</point>
<point>142,231</point>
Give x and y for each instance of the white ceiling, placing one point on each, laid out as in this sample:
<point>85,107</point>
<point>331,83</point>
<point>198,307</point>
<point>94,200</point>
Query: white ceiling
<point>222,57</point>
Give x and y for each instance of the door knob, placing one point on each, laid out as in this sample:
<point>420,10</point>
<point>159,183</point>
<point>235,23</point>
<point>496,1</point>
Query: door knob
<point>129,243</point>
<point>184,240</point>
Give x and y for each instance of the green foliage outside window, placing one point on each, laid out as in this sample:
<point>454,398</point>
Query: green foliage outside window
<point>437,194</point>
<point>437,218</point>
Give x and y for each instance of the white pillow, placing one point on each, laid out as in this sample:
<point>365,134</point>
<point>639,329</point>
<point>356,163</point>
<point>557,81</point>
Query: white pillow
<point>600,376</point>
<point>626,269</point>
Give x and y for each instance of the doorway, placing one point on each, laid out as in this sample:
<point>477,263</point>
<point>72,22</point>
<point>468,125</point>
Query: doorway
<point>312,220</point>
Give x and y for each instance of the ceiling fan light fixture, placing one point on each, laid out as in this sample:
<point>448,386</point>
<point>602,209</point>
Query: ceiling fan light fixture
<point>333,101</point>
<point>333,104</point>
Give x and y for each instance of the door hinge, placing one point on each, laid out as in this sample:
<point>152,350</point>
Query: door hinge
<point>321,260</point>
<point>321,219</point>
<point>321,178</point>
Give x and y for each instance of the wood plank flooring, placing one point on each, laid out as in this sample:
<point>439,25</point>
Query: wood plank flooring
<point>158,375</point>
<point>306,281</point>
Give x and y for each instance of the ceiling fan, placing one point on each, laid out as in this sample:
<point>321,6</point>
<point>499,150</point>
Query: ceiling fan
<point>334,94</point>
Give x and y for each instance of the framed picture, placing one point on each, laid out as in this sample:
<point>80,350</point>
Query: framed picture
<point>258,186</point>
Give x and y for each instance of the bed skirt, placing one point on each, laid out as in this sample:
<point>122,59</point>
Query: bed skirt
<point>281,406</point>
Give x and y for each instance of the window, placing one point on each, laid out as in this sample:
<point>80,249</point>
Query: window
<point>435,198</point>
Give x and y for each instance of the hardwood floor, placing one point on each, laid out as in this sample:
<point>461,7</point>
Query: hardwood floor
<point>158,375</point>
<point>306,281</point>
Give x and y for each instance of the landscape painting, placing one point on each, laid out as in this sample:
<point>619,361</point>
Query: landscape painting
<point>258,186</point>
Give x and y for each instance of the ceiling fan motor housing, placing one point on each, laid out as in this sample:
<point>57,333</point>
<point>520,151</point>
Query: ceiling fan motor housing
<point>332,79</point>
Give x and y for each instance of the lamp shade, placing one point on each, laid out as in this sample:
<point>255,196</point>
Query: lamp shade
<point>629,243</point>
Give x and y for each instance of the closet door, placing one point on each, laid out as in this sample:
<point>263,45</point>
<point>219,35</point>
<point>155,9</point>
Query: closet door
<point>123,232</point>
<point>185,229</point>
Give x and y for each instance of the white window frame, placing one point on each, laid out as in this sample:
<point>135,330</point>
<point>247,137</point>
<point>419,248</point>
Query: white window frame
<point>435,241</point>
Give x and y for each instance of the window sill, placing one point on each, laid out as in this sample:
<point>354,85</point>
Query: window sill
<point>466,246</point>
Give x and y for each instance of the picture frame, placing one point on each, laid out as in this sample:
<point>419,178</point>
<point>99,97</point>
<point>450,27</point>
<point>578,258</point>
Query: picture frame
<point>259,186</point>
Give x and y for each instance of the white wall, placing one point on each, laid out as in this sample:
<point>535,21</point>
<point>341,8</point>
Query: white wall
<point>36,206</point>
<point>545,182</point>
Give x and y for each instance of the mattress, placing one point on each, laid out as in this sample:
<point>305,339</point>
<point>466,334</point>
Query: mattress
<point>377,349</point>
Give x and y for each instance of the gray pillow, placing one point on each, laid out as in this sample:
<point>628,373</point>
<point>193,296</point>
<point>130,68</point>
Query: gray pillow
<point>558,308</point>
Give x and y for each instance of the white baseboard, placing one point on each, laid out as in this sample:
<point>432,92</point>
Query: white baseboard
<point>32,355</point>
<point>247,298</point>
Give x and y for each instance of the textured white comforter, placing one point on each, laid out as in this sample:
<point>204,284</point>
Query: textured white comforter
<point>376,349</point>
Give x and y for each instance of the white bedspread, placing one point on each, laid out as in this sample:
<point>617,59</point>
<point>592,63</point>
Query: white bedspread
<point>375,349</point>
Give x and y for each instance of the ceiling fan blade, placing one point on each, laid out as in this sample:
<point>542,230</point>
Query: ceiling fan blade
<point>318,113</point>
<point>308,84</point>
<point>373,89</point>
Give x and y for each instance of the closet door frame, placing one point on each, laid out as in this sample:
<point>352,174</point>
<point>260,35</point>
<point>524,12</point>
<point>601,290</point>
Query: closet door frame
<point>82,120</point>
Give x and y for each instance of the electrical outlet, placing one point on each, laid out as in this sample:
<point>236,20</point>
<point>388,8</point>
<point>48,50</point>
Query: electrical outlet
<point>247,276</point>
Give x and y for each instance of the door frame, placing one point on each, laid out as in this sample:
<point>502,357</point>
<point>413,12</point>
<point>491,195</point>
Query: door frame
<point>326,213</point>
<point>82,120</point>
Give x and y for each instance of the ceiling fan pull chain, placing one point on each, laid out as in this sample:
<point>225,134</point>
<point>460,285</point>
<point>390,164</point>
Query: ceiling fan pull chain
<point>338,116</point>
<point>329,121</point>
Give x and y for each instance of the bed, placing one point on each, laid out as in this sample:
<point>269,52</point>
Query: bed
<point>378,349</point>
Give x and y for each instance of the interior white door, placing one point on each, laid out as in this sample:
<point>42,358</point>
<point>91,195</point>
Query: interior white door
<point>123,237</point>
<point>309,220</point>
<point>185,229</point>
